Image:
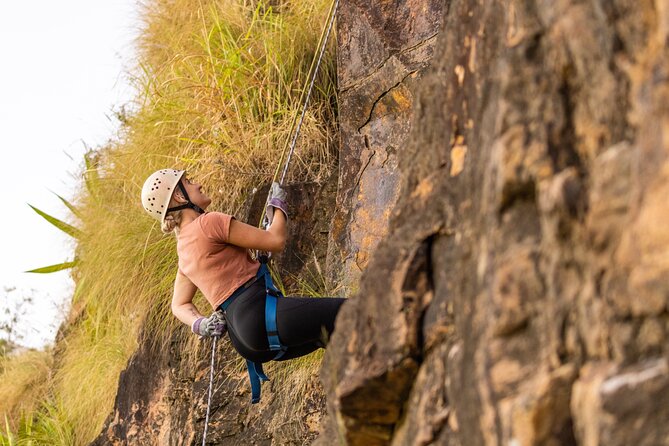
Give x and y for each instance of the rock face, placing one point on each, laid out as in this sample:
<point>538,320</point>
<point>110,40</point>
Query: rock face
<point>384,48</point>
<point>519,294</point>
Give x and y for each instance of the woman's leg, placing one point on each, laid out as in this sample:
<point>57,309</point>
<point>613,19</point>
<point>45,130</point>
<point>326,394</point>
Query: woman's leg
<point>304,320</point>
<point>246,324</point>
<point>304,324</point>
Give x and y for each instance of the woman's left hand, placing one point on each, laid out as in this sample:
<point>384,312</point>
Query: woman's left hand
<point>214,325</point>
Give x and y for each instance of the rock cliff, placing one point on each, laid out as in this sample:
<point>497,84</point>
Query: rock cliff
<point>383,51</point>
<point>520,293</point>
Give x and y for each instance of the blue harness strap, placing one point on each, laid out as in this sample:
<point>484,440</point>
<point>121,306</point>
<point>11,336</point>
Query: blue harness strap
<point>270,325</point>
<point>270,309</point>
<point>256,373</point>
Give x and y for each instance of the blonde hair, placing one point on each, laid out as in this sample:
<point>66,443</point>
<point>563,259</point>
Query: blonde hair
<point>172,222</point>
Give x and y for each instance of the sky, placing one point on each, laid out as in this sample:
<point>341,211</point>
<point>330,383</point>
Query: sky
<point>63,71</point>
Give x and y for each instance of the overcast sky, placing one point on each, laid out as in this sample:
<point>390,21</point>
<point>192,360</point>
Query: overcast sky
<point>62,71</point>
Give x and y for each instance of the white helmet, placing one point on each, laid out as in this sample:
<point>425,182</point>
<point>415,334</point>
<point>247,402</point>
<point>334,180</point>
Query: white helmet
<point>157,193</point>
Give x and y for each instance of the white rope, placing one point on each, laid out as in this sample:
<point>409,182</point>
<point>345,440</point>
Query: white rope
<point>333,14</point>
<point>211,385</point>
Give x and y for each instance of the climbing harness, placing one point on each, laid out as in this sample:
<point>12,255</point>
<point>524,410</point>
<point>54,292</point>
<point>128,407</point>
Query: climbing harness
<point>255,370</point>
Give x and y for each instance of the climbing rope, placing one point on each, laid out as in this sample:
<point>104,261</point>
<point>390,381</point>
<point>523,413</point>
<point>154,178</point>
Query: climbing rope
<point>304,98</point>
<point>322,44</point>
<point>296,126</point>
<point>211,385</point>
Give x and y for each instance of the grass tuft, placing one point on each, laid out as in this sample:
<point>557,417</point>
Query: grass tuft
<point>25,379</point>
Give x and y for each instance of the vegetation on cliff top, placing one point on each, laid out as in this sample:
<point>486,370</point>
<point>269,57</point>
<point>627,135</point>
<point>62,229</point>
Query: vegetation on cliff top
<point>218,82</point>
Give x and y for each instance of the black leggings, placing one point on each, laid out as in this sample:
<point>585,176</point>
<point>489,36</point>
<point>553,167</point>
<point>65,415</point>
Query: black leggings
<point>304,323</point>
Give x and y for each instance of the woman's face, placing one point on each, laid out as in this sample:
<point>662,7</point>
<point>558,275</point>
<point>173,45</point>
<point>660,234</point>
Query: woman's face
<point>195,193</point>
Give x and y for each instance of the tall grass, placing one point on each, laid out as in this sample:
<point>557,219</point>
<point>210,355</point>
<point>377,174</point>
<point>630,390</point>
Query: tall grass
<point>24,380</point>
<point>217,84</point>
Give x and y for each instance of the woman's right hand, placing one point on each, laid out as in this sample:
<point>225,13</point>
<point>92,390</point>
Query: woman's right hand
<point>277,199</point>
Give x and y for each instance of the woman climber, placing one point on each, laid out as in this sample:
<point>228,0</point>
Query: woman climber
<point>213,256</point>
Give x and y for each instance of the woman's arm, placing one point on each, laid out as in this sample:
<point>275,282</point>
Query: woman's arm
<point>272,240</point>
<point>182,300</point>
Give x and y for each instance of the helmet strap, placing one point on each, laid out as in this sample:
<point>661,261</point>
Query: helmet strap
<point>188,205</point>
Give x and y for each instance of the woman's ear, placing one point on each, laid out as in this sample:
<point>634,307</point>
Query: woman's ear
<point>178,196</point>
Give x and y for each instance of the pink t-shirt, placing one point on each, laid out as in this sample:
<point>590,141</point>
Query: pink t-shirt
<point>216,267</point>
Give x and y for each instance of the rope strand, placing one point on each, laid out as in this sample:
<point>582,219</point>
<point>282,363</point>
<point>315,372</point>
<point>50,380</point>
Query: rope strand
<point>311,86</point>
<point>211,384</point>
<point>306,95</point>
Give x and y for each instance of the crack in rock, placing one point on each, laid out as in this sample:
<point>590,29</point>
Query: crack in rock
<point>362,80</point>
<point>383,95</point>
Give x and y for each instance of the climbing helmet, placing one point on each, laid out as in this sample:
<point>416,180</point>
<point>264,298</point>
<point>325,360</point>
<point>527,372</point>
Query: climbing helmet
<point>157,192</point>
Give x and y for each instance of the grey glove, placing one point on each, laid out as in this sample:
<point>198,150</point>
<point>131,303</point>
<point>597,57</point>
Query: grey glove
<point>277,199</point>
<point>213,325</point>
<point>276,191</point>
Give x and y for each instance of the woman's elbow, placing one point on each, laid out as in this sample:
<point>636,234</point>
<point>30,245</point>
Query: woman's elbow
<point>177,308</point>
<point>278,245</point>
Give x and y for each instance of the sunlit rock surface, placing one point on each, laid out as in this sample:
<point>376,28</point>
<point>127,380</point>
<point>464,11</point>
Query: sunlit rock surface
<point>519,295</point>
<point>383,50</point>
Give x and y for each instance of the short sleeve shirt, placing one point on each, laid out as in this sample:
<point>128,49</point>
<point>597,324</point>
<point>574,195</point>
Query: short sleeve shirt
<point>215,266</point>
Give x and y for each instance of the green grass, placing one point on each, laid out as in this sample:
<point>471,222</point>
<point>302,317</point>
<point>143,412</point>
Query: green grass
<point>217,86</point>
<point>47,426</point>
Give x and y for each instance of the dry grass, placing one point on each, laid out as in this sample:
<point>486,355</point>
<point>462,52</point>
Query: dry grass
<point>29,375</point>
<point>218,83</point>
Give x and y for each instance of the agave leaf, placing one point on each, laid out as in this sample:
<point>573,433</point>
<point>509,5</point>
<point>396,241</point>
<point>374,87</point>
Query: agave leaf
<point>55,268</point>
<point>66,228</point>
<point>69,205</point>
<point>91,176</point>
<point>10,438</point>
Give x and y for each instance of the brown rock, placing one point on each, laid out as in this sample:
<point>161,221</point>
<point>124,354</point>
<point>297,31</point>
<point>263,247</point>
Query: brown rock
<point>384,49</point>
<point>502,196</point>
<point>623,407</point>
<point>535,179</point>
<point>430,411</point>
<point>540,415</point>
